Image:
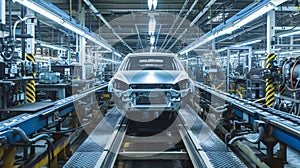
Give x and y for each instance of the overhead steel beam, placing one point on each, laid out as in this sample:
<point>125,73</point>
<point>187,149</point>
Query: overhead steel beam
<point>244,31</point>
<point>97,13</point>
<point>205,9</point>
<point>158,34</point>
<point>2,16</point>
<point>173,24</point>
<point>138,33</point>
<point>270,31</point>
<point>181,22</point>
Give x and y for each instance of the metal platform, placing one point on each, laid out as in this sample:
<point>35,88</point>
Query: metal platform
<point>94,150</point>
<point>29,108</point>
<point>207,145</point>
<point>211,152</point>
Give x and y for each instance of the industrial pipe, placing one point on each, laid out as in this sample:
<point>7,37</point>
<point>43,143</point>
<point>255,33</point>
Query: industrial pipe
<point>252,138</point>
<point>36,138</point>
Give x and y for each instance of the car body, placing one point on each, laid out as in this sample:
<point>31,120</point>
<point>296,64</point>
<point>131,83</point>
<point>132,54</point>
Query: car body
<point>150,81</point>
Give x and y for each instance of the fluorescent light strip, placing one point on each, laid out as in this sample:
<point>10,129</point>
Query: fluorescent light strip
<point>110,60</point>
<point>117,54</point>
<point>154,2</point>
<point>247,43</point>
<point>74,29</point>
<point>255,15</point>
<point>264,9</point>
<point>290,34</point>
<point>31,5</point>
<point>290,52</point>
<point>149,4</point>
<point>152,25</point>
<point>152,40</point>
<point>40,10</point>
<point>53,47</point>
<point>222,49</point>
<point>260,52</point>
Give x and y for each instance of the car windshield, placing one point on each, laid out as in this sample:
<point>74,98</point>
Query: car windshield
<point>151,63</point>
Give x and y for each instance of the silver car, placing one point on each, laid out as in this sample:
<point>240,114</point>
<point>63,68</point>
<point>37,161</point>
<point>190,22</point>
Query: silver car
<point>150,81</point>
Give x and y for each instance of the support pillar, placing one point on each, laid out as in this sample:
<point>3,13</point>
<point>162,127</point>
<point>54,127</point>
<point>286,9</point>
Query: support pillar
<point>82,56</point>
<point>270,89</point>
<point>227,70</point>
<point>2,17</point>
<point>30,58</point>
<point>271,32</point>
<point>82,40</point>
<point>8,157</point>
<point>282,153</point>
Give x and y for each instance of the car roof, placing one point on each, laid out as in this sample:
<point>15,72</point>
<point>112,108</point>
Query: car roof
<point>152,54</point>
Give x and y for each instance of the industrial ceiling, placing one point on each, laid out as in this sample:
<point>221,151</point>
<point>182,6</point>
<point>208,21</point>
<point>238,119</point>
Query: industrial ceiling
<point>124,24</point>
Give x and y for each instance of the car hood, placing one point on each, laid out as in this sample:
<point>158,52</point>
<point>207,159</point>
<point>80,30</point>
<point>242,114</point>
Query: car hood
<point>151,77</point>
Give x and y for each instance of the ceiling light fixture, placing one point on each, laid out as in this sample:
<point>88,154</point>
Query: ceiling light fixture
<point>53,47</point>
<point>65,23</point>
<point>252,15</point>
<point>222,49</point>
<point>152,25</point>
<point>110,60</point>
<point>290,34</point>
<point>149,4</point>
<point>152,39</point>
<point>290,52</point>
<point>152,3</point>
<point>247,43</point>
<point>151,48</point>
<point>117,54</point>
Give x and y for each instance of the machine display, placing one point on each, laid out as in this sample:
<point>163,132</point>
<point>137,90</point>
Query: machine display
<point>150,81</point>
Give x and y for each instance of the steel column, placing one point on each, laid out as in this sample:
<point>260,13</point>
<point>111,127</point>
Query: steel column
<point>30,48</point>
<point>270,31</point>
<point>82,44</point>
<point>2,17</point>
<point>227,70</point>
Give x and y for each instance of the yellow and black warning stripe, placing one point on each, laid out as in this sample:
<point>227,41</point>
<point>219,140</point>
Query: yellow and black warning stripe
<point>270,90</point>
<point>30,57</point>
<point>30,85</point>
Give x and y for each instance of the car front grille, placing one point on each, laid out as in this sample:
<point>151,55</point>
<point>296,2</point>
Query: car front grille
<point>151,86</point>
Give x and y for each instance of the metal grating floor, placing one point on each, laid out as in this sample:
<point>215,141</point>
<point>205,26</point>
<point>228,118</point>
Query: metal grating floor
<point>215,149</point>
<point>92,150</point>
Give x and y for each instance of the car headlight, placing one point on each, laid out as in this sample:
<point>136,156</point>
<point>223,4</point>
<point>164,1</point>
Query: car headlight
<point>120,85</point>
<point>182,85</point>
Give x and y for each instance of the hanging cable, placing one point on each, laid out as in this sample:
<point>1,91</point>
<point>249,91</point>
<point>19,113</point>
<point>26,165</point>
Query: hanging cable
<point>291,74</point>
<point>28,140</point>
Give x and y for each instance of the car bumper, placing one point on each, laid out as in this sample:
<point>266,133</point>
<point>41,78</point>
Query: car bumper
<point>150,100</point>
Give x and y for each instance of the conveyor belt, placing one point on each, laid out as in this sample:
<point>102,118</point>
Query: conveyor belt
<point>95,148</point>
<point>211,152</point>
<point>32,122</point>
<point>206,143</point>
<point>286,127</point>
